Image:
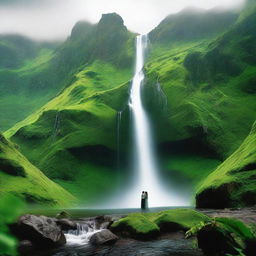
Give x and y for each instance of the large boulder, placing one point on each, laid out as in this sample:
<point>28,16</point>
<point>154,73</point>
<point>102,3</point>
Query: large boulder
<point>214,240</point>
<point>103,237</point>
<point>42,231</point>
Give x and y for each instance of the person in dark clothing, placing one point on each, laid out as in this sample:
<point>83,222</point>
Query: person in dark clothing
<point>146,200</point>
<point>143,200</point>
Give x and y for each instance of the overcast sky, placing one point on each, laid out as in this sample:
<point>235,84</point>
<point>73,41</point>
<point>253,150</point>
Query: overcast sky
<point>54,19</point>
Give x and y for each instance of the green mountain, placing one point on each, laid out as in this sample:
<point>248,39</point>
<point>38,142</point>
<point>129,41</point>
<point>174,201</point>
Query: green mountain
<point>37,80</point>
<point>22,67</point>
<point>209,86</point>
<point>72,138</point>
<point>19,177</point>
<point>192,24</point>
<point>15,49</point>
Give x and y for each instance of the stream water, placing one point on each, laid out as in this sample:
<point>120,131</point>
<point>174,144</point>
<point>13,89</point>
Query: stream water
<point>82,234</point>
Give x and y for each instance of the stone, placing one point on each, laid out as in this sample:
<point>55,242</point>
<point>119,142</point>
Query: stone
<point>104,236</point>
<point>25,247</point>
<point>66,224</point>
<point>213,240</point>
<point>63,215</point>
<point>42,231</point>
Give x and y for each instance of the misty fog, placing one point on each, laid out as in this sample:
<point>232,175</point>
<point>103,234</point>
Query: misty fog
<point>54,19</point>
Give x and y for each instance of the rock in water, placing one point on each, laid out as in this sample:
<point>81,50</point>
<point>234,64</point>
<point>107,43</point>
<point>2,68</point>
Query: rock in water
<point>213,240</point>
<point>40,230</point>
<point>63,215</point>
<point>25,247</point>
<point>66,224</point>
<point>103,237</point>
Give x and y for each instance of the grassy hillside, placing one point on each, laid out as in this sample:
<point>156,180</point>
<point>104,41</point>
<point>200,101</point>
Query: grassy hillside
<point>42,75</point>
<point>72,137</point>
<point>208,84</point>
<point>22,61</point>
<point>18,176</point>
<point>232,184</point>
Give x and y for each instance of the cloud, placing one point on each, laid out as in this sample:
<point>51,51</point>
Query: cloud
<point>54,19</point>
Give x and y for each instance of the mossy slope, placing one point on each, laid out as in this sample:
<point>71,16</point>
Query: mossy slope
<point>73,137</point>
<point>18,176</point>
<point>233,183</point>
<point>209,85</point>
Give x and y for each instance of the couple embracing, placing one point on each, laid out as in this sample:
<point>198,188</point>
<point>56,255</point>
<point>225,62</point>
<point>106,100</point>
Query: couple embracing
<point>144,200</point>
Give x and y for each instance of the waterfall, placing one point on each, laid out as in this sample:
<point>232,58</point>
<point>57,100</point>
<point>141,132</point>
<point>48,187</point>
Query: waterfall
<point>146,174</point>
<point>119,119</point>
<point>56,126</point>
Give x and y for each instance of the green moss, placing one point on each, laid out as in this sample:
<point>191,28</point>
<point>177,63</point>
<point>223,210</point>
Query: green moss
<point>24,185</point>
<point>137,226</point>
<point>182,219</point>
<point>237,227</point>
<point>236,174</point>
<point>224,236</point>
<point>147,225</point>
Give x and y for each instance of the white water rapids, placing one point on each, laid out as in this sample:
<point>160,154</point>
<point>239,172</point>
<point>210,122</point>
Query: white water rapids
<point>82,234</point>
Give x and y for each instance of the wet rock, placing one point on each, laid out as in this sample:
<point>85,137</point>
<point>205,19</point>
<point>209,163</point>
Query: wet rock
<point>25,247</point>
<point>42,231</point>
<point>63,215</point>
<point>216,241</point>
<point>105,221</point>
<point>103,237</point>
<point>66,224</point>
<point>106,225</point>
<point>217,198</point>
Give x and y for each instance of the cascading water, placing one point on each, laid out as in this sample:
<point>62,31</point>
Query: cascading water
<point>119,119</point>
<point>146,172</point>
<point>82,234</point>
<point>146,177</point>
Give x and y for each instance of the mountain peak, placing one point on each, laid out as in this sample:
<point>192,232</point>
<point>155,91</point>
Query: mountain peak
<point>80,29</point>
<point>111,19</point>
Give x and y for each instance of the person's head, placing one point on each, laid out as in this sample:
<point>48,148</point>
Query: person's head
<point>146,192</point>
<point>143,192</point>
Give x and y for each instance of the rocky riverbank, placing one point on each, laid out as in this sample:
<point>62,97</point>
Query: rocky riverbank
<point>44,236</point>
